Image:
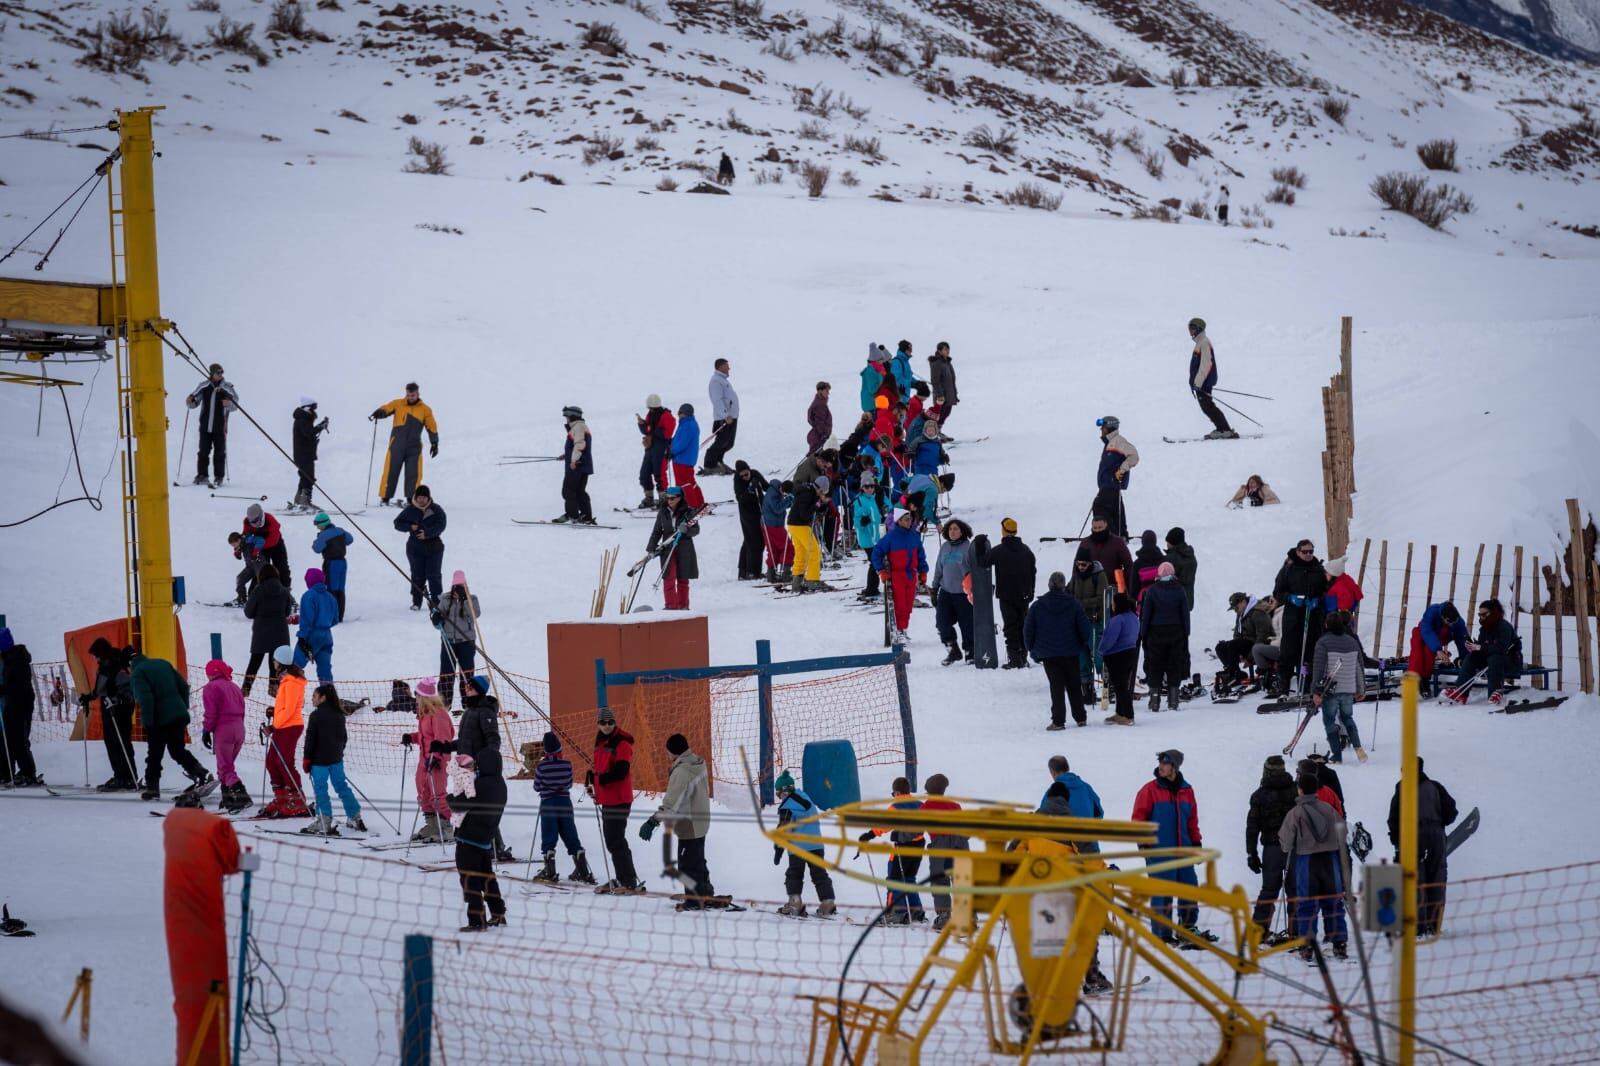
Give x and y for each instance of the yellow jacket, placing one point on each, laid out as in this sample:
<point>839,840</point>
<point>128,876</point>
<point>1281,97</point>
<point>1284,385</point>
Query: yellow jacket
<point>410,419</point>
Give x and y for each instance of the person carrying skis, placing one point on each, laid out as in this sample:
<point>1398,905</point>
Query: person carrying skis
<point>795,806</point>
<point>1168,800</point>
<point>1255,492</point>
<point>1015,579</point>
<point>1436,809</point>
<point>1338,679</point>
<point>775,504</point>
<point>247,550</point>
<point>1146,565</point>
<point>672,539</point>
<point>1119,648</point>
<point>656,428</point>
<point>1269,805</point>
<point>268,608</point>
<point>819,418</point>
<point>939,867</point>
<point>1300,587</point>
<point>1111,552</point>
<point>686,808</point>
<point>807,569</point>
<point>866,518</point>
<point>577,464</point>
<point>903,566</point>
<point>330,543</point>
<point>222,731</point>
<point>609,783</point>
<point>724,419</point>
<point>1312,837</point>
<point>433,723</point>
<point>952,581</point>
<point>112,687</point>
<point>1496,654</point>
<point>264,526</point>
<point>214,398</point>
<point>411,418</point>
<point>456,619</point>
<point>749,488</point>
<point>942,375</point>
<point>319,613</point>
<point>323,759</point>
<point>1056,633</point>
<point>16,713</point>
<point>685,450</point>
<point>423,522</point>
<point>1203,378</point>
<point>552,780</point>
<point>284,725</point>
<point>162,695</point>
<point>480,805</point>
<point>1087,584</point>
<point>1439,625</point>
<point>1181,556</point>
<point>307,430</point>
<point>1118,457</point>
<point>906,907</point>
<point>1164,631</point>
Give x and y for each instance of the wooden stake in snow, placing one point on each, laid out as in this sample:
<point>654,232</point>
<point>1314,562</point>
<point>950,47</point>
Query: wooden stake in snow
<point>1538,656</point>
<point>1405,598</point>
<point>1580,593</point>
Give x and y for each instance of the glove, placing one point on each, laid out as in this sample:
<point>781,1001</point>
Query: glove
<point>777,855</point>
<point>868,835</point>
<point>436,618</point>
<point>883,576</point>
<point>84,701</point>
<point>437,746</point>
<point>322,427</point>
<point>304,647</point>
<point>205,738</point>
<point>408,739</point>
<point>433,450</point>
<point>1254,863</point>
<point>379,413</point>
<point>648,828</point>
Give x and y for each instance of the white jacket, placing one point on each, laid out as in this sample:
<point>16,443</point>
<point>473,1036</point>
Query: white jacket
<point>724,401</point>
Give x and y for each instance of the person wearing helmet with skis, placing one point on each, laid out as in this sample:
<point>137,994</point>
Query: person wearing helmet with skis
<point>577,455</point>
<point>672,538</point>
<point>1203,378</point>
<point>1118,457</point>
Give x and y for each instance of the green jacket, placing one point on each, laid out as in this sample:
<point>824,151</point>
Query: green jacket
<point>160,691</point>
<point>1090,591</point>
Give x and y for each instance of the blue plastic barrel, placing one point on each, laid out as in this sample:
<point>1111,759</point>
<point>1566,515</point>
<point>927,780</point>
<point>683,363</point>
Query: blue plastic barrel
<point>828,773</point>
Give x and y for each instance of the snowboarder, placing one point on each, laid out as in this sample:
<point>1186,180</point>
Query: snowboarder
<point>577,457</point>
<point>795,806</point>
<point>905,907</point>
<point>285,723</point>
<point>1312,836</point>
<point>725,170</point>
<point>1088,585</point>
<point>724,419</point>
<point>552,780</point>
<point>307,430</point>
<point>1056,633</point>
<point>1436,808</point>
<point>1269,805</point>
<point>214,398</point>
<point>1300,586</point>
<point>1111,552</point>
<point>319,613</point>
<point>1118,457</point>
<point>952,571</point>
<point>1235,651</point>
<point>1119,648</point>
<point>411,418</point>
<point>819,418</point>
<point>749,489</point>
<point>423,522</point>
<point>323,759</point>
<point>1439,625</point>
<point>672,539</point>
<point>1168,800</point>
<point>433,723</point>
<point>1181,556</point>
<point>1495,655</point>
<point>113,688</point>
<point>248,551</point>
<point>1015,579</point>
<point>268,609</point>
<point>222,731</point>
<point>1339,663</point>
<point>939,867</point>
<point>686,808</point>
<point>330,543</point>
<point>1203,378</point>
<point>1164,631</point>
<point>942,375</point>
<point>685,450</point>
<point>16,713</point>
<point>807,567</point>
<point>609,783</point>
<point>480,806</point>
<point>456,618</point>
<point>1147,562</point>
<point>656,426</point>
<point>903,566</point>
<point>162,695</point>
<point>775,504</point>
<point>264,525</point>
<point>1255,492</point>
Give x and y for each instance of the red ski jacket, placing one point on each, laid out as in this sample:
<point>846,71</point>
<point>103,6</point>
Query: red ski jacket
<point>613,768</point>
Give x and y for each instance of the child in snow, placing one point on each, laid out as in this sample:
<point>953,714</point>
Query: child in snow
<point>433,723</point>
<point>868,522</point>
<point>248,550</point>
<point>795,806</point>
<point>401,701</point>
<point>284,727</point>
<point>552,780</point>
<point>939,868</point>
<point>774,508</point>
<point>222,731</point>
<point>907,906</point>
<point>324,761</point>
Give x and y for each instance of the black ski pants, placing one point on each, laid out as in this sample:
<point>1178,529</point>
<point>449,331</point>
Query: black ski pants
<point>1121,666</point>
<point>575,494</point>
<point>1302,627</point>
<point>475,844</point>
<point>1432,872</point>
<point>116,729</point>
<point>1273,864</point>
<point>427,570</point>
<point>1492,668</point>
<point>18,723</point>
<point>1108,503</point>
<point>1166,657</point>
<point>1230,653</point>
<point>692,861</point>
<point>1209,407</point>
<point>213,446</point>
<point>1013,612</point>
<point>1065,687</point>
<point>722,434</point>
<point>169,739</point>
<point>794,878</point>
<point>752,546</point>
<point>614,828</point>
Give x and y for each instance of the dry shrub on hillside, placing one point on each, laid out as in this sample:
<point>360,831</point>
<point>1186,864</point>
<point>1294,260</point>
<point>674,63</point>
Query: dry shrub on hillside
<point>230,36</point>
<point>1437,155</point>
<point>1154,163</point>
<point>1292,176</point>
<point>867,147</point>
<point>1281,194</point>
<point>815,175</point>
<point>812,131</point>
<point>1197,209</point>
<point>1032,194</point>
<point>646,144</point>
<point>1335,107</point>
<point>427,157</point>
<point>780,49</point>
<point>600,146</point>
<point>603,34</point>
<point>1003,143</point>
<point>120,43</point>
<point>289,19</point>
<point>1410,194</point>
<point>667,184</point>
<point>849,180</point>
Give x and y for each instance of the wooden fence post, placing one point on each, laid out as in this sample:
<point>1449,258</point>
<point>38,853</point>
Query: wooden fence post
<point>1383,585</point>
<point>1494,583</point>
<point>1433,562</point>
<point>1405,596</point>
<point>1580,593</point>
<point>1561,620</point>
<point>1477,577</point>
<point>1455,564</point>
<point>1538,657</point>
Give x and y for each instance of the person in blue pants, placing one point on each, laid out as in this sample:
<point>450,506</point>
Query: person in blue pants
<point>1168,800</point>
<point>330,543</point>
<point>323,759</point>
<point>1313,838</point>
<point>319,613</point>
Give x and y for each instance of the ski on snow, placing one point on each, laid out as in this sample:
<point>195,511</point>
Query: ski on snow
<point>569,525</point>
<point>1192,440</point>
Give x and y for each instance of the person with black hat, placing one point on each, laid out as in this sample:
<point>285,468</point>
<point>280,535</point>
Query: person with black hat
<point>1168,800</point>
<point>749,486</point>
<point>1164,632</point>
<point>1312,837</point>
<point>1015,577</point>
<point>1055,632</point>
<point>577,458</point>
<point>1441,624</point>
<point>808,497</point>
<point>16,712</point>
<point>552,780</point>
<point>1181,556</point>
<point>113,688</point>
<point>214,398</point>
<point>1118,457</point>
<point>477,813</point>
<point>1111,552</point>
<point>1091,588</point>
<point>684,452</point>
<point>1235,651</point>
<point>724,419</point>
<point>268,608</point>
<point>411,418</point>
<point>686,808</point>
<point>1269,804</point>
<point>1147,560</point>
<point>609,783</point>
<point>423,522</point>
<point>307,431</point>
<point>1203,378</point>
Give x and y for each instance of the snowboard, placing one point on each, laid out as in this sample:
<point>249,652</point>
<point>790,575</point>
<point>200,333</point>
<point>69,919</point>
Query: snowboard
<point>1191,440</point>
<point>1518,706</point>
<point>1293,703</point>
<point>984,654</point>
<point>569,525</point>
<point>1461,833</point>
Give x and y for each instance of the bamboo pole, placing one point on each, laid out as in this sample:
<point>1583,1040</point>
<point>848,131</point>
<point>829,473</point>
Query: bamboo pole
<point>1580,593</point>
<point>1477,578</point>
<point>1455,563</point>
<point>1383,585</point>
<point>1538,656</point>
<point>1405,596</point>
<point>1494,582</point>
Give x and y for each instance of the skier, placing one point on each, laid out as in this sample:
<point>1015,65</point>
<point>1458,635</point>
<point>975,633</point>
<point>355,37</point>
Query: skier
<point>330,543</point>
<point>16,713</point>
<point>1146,565</point>
<point>655,431</point>
<point>1436,808</point>
<point>477,751</point>
<point>214,398</point>
<point>319,613</point>
<point>456,619</point>
<point>942,374</point>
<point>1343,593</point>
<point>819,418</point>
<point>1222,206</point>
<point>268,609</point>
<point>552,780</point>
<point>1056,633</point>
<point>867,519</point>
<point>222,731</point>
<point>903,566</point>
<point>725,170</point>
<point>162,695</point>
<point>1269,804</point>
<point>433,723</point>
<point>724,419</point>
<point>775,504</point>
<point>609,783</point>
<point>952,582</point>
<point>411,418</point>
<point>424,522</point>
<point>672,539</point>
<point>1439,625</point>
<point>875,378</point>
<point>285,723</point>
<point>686,808</point>
<point>1496,654</point>
<point>1111,552</point>
<point>1300,586</point>
<point>1168,800</point>
<point>307,430</point>
<point>1341,664</point>
<point>749,488</point>
<point>1181,556</point>
<point>1119,647</point>
<point>685,449</point>
<point>324,761</point>
<point>1015,579</point>
<point>1255,492</point>
<point>1203,378</point>
<point>261,524</point>
<point>938,867</point>
<point>1312,836</point>
<point>1164,631</point>
<point>921,495</point>
<point>1087,584</point>
<point>577,456</point>
<point>247,550</point>
<point>900,370</point>
<point>795,806</point>
<point>113,688</point>
<point>807,568</point>
<point>906,907</point>
<point>1118,457</point>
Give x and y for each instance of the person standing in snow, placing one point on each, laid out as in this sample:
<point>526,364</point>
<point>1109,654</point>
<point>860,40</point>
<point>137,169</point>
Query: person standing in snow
<point>1118,457</point>
<point>477,752</point>
<point>1300,587</point>
<point>609,783</point>
<point>112,687</point>
<point>686,808</point>
<point>285,723</point>
<point>1089,587</point>
<point>1436,809</point>
<point>162,695</point>
<point>268,608</point>
<point>906,907</point>
<point>685,449</point>
<point>775,504</point>
<point>903,565</point>
<point>307,430</point>
<point>724,419</point>
<point>795,806</point>
<point>319,613</point>
<point>1343,594</point>
<point>748,489</point>
<point>1269,805</point>
<point>1146,564</point>
<point>323,759</point>
<point>672,538</point>
<point>867,513</point>
<point>876,379</point>
<point>1169,801</point>
<point>1111,552</point>
<point>900,369</point>
<point>552,780</point>
<point>1164,631</point>
<point>1181,556</point>
<point>411,418</point>
<point>1203,378</point>
<point>433,723</point>
<point>1339,661</point>
<point>807,570</point>
<point>264,526</point>
<point>331,542</point>
<point>456,618</point>
<point>1222,205</point>
<point>942,376</point>
<point>1119,648</point>
<point>1056,633</point>
<point>656,427</point>
<point>577,463</point>
<point>725,170</point>
<point>952,581</point>
<point>423,522</point>
<point>1015,578</point>
<point>16,712</point>
<point>214,398</point>
<point>1312,837</point>
<point>819,419</point>
<point>222,731</point>
<point>938,866</point>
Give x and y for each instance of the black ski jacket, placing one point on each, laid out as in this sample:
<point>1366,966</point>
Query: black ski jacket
<point>1269,805</point>
<point>1015,569</point>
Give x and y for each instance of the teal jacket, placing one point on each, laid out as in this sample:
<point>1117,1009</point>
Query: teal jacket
<point>160,691</point>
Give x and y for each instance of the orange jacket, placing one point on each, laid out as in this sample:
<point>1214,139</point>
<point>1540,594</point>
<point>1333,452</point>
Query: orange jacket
<point>289,706</point>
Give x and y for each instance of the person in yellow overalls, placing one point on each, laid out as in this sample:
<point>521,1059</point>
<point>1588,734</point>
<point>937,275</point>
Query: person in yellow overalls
<point>411,417</point>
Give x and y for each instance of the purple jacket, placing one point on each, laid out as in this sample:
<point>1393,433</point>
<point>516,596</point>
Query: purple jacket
<point>820,419</point>
<point>223,702</point>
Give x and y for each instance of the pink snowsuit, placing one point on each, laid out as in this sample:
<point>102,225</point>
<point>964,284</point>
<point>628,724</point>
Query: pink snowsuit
<point>432,784</point>
<point>224,718</point>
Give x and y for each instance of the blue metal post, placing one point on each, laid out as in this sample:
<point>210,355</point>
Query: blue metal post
<point>908,729</point>
<point>216,645</point>
<point>764,718</point>
<point>600,683</point>
<point>416,1032</point>
<point>248,863</point>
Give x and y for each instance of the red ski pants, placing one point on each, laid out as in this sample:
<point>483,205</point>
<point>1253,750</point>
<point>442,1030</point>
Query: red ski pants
<point>683,477</point>
<point>905,597</point>
<point>779,551</point>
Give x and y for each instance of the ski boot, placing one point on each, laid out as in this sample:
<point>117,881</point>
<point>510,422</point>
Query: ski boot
<point>1341,950</point>
<point>320,827</point>
<point>236,799</point>
<point>1496,697</point>
<point>895,917</point>
<point>547,872</point>
<point>818,586</point>
<point>826,909</point>
<point>1155,699</point>
<point>495,920</point>
<point>201,479</point>
<point>1174,697</point>
<point>940,921</point>
<point>1095,982</point>
<point>795,908</point>
<point>561,520</point>
<point>580,870</point>
<point>785,575</point>
<point>356,824</point>
<point>119,784</point>
<point>1456,695</point>
<point>151,792</point>
<point>503,853</point>
<point>772,575</point>
<point>648,502</point>
<point>429,833</point>
<point>952,654</point>
<point>797,583</point>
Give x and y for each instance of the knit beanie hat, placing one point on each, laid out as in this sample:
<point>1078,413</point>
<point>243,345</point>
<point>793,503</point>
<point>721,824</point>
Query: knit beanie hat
<point>1148,538</point>
<point>428,687</point>
<point>481,683</point>
<point>552,743</point>
<point>252,514</point>
<point>458,578</point>
<point>1175,535</point>
<point>1083,555</point>
<point>677,744</point>
<point>606,716</point>
<point>321,519</point>
<point>217,669</point>
<point>1334,567</point>
<point>1165,570</point>
<point>1008,526</point>
<point>313,577</point>
<point>785,782</point>
<point>1274,762</point>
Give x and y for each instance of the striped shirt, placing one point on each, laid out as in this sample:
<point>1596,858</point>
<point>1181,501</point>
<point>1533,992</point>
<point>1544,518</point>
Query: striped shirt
<point>553,777</point>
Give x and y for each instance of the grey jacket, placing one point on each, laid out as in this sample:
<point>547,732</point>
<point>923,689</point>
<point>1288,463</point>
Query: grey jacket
<point>456,620</point>
<point>724,401</point>
<point>1311,828</point>
<point>954,564</point>
<point>686,808</point>
<point>1339,651</point>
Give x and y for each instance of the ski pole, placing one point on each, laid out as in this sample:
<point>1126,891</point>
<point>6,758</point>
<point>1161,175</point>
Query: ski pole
<point>875,886</point>
<point>372,454</point>
<point>1238,412</point>
<point>226,496</point>
<point>605,851</point>
<point>374,806</point>
<point>1236,392</point>
<point>182,439</point>
<point>418,813</point>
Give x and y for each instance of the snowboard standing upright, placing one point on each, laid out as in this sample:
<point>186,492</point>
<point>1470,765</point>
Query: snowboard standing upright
<point>984,655</point>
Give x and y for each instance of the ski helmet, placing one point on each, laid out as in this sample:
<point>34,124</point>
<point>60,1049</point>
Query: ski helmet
<point>1109,422</point>
<point>283,655</point>
<point>571,411</point>
<point>1197,326</point>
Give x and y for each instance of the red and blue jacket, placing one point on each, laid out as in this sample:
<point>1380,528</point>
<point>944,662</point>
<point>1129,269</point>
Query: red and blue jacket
<point>900,553</point>
<point>1435,631</point>
<point>1171,805</point>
